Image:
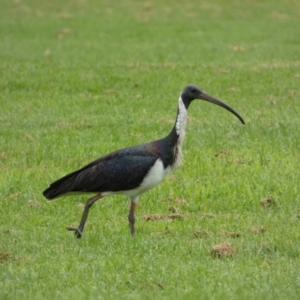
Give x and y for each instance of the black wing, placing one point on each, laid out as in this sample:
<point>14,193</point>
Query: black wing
<point>122,170</point>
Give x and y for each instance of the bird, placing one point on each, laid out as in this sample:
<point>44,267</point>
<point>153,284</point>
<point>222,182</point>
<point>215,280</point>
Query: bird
<point>134,170</point>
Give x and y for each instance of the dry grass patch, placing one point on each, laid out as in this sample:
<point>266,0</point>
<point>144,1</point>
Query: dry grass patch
<point>267,202</point>
<point>207,216</point>
<point>258,230</point>
<point>157,217</point>
<point>222,250</point>
<point>200,234</point>
<point>230,234</point>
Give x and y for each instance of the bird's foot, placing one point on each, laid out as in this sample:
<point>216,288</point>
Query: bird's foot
<point>77,232</point>
<point>132,229</point>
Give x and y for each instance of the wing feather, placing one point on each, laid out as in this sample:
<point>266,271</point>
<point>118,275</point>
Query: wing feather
<point>121,170</point>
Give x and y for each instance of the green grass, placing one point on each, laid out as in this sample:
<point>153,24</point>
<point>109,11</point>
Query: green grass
<point>82,78</point>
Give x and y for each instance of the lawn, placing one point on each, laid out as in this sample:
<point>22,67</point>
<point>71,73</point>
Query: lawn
<point>80,79</point>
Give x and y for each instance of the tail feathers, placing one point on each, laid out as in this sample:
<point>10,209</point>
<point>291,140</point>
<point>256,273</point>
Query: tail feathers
<point>60,187</point>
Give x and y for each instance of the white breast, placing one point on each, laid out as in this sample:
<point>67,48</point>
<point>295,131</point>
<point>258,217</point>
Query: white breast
<point>155,175</point>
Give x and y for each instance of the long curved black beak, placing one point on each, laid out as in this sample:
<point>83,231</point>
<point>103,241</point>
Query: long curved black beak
<point>206,97</point>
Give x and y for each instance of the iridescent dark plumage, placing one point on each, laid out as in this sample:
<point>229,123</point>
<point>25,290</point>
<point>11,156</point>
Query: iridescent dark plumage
<point>134,170</point>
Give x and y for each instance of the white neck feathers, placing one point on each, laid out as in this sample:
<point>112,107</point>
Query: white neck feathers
<point>181,118</point>
<point>180,130</point>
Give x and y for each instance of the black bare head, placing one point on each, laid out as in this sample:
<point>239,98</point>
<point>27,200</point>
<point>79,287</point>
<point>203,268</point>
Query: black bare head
<point>192,92</point>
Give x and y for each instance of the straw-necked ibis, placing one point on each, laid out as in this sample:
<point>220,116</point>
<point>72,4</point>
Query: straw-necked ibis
<point>134,170</point>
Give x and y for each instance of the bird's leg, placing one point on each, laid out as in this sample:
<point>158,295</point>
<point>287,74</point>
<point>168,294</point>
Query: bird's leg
<point>131,217</point>
<point>88,205</point>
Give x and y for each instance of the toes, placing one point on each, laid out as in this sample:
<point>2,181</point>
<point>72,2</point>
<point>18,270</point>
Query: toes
<point>77,232</point>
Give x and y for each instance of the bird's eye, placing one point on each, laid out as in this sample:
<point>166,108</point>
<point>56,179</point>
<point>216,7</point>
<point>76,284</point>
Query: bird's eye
<point>193,91</point>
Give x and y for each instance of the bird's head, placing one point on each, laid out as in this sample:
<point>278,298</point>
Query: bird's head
<point>192,92</point>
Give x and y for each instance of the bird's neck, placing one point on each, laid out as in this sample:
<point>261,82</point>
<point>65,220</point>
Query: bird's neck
<point>178,133</point>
